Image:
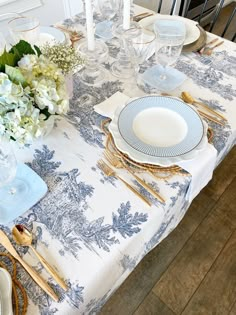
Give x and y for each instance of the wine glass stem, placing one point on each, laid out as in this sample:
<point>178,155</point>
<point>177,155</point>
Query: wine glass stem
<point>123,56</point>
<point>163,74</point>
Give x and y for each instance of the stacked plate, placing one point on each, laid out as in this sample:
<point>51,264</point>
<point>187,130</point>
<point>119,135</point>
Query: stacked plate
<point>195,35</point>
<point>158,130</point>
<point>5,293</point>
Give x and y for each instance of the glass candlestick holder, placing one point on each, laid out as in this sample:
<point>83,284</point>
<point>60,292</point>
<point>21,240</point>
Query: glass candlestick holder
<point>93,73</point>
<point>123,67</point>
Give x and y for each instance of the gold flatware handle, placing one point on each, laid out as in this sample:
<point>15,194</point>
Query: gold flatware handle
<point>210,110</point>
<point>217,45</point>
<point>207,44</point>
<point>141,16</point>
<point>147,187</point>
<point>210,118</point>
<point>36,277</point>
<point>136,192</point>
<point>50,269</point>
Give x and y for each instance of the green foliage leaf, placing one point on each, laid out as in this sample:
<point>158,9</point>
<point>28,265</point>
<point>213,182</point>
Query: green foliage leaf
<point>15,75</point>
<point>37,50</point>
<point>22,48</point>
<point>7,58</point>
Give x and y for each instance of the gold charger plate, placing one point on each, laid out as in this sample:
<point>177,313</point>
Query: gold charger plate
<point>198,44</point>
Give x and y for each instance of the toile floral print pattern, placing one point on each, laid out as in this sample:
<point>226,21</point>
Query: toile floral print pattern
<point>89,226</point>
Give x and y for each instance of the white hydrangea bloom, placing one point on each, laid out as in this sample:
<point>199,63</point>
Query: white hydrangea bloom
<point>20,107</point>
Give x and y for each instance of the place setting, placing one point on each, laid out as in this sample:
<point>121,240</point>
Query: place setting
<point>195,35</point>
<point>160,135</point>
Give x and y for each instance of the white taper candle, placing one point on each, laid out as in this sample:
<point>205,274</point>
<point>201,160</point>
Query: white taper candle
<point>89,24</point>
<point>126,15</point>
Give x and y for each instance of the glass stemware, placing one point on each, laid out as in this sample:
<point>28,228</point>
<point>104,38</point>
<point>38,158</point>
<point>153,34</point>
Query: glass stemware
<point>123,67</point>
<point>11,189</point>
<point>108,8</point>
<point>26,28</point>
<point>170,38</point>
<point>140,45</point>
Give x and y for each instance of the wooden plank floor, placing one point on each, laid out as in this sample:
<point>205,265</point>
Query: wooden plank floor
<point>193,271</point>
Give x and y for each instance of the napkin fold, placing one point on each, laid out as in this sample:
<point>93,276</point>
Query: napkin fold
<point>108,107</point>
<point>201,167</point>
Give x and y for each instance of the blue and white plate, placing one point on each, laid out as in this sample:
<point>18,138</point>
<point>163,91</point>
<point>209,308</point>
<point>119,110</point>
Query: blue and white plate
<point>160,126</point>
<point>12,206</point>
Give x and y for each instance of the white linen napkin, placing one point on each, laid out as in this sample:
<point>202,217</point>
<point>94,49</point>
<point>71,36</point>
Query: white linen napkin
<point>108,107</point>
<point>201,167</point>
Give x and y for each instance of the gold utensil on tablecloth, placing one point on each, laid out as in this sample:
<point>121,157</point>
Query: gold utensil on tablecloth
<point>209,50</point>
<point>208,44</point>
<point>118,164</point>
<point>40,281</point>
<point>189,99</point>
<point>201,113</point>
<point>110,172</point>
<point>141,16</point>
<point>23,236</point>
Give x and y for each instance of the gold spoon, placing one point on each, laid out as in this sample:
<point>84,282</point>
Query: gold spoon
<point>23,236</point>
<point>4,241</point>
<point>187,97</point>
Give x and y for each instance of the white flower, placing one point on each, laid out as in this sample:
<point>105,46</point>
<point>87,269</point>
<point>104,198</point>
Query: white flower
<point>21,108</point>
<point>5,85</point>
<point>28,62</point>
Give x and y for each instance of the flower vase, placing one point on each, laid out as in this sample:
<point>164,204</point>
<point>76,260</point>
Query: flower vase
<point>69,84</point>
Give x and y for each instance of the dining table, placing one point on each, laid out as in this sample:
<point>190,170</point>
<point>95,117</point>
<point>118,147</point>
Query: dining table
<point>89,226</point>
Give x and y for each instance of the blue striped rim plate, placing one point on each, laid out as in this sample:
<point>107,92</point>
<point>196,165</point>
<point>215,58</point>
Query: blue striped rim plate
<point>160,126</point>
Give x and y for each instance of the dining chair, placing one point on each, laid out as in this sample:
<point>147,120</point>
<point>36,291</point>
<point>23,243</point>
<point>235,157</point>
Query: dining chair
<point>173,6</point>
<point>214,17</point>
<point>159,6</point>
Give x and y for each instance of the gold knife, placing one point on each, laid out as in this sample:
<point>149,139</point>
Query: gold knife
<point>209,117</point>
<point>147,187</point>
<point>4,240</point>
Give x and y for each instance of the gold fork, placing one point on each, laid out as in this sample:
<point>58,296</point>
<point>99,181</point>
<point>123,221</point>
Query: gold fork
<point>110,172</point>
<point>116,162</point>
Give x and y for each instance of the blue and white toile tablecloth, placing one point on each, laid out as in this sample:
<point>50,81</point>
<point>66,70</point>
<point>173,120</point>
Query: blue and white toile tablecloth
<point>91,227</point>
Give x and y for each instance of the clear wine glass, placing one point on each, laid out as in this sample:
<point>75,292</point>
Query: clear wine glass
<point>12,189</point>
<point>170,38</point>
<point>108,8</point>
<point>140,45</point>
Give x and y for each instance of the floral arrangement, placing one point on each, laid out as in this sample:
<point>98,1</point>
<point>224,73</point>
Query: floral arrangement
<point>32,91</point>
<point>64,56</point>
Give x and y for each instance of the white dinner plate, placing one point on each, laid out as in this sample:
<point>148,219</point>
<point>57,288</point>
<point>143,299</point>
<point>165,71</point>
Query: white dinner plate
<point>141,157</point>
<point>160,126</point>
<point>50,34</point>
<point>5,292</point>
<point>192,31</point>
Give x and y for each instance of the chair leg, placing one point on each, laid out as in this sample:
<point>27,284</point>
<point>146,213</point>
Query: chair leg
<point>216,14</point>
<point>228,23</point>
